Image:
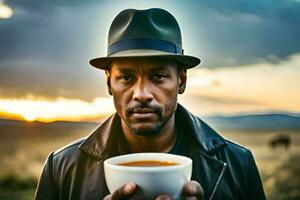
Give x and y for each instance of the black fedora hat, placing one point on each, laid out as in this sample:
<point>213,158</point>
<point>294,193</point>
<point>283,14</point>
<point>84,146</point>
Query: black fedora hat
<point>144,33</point>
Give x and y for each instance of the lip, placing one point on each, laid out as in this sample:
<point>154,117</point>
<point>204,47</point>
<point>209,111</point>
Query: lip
<point>143,115</point>
<point>143,111</point>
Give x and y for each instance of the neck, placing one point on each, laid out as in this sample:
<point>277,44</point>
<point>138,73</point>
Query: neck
<point>162,142</point>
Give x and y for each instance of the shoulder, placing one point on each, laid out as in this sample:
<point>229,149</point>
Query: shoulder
<point>67,155</point>
<point>69,149</point>
<point>236,147</point>
<point>242,167</point>
<point>237,156</point>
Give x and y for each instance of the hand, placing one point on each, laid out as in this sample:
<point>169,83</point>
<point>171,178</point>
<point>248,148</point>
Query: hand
<point>191,190</point>
<point>123,193</point>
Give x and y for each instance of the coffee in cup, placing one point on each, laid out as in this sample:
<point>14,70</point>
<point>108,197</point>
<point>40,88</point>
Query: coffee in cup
<point>154,173</point>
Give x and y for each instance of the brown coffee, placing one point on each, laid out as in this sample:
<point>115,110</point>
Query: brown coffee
<point>148,163</point>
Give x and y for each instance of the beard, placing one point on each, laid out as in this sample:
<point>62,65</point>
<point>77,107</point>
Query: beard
<point>152,130</point>
<point>149,128</point>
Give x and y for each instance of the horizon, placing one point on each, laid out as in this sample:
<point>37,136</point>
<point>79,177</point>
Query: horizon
<point>99,119</point>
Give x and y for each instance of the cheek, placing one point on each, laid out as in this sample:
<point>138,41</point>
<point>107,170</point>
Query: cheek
<point>120,105</point>
<point>119,91</point>
<point>119,97</point>
<point>167,92</point>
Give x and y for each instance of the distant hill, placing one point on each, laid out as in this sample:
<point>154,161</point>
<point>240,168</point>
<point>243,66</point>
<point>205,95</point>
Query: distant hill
<point>59,127</point>
<point>11,122</point>
<point>262,122</point>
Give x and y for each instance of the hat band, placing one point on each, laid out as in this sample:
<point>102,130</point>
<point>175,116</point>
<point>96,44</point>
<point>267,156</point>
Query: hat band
<point>143,43</point>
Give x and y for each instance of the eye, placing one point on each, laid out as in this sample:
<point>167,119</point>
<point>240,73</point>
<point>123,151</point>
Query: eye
<point>126,77</point>
<point>159,77</point>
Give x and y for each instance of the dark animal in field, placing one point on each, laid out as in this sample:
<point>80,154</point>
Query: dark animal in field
<point>281,140</point>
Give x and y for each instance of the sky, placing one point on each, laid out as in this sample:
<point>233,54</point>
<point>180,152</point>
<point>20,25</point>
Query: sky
<point>250,53</point>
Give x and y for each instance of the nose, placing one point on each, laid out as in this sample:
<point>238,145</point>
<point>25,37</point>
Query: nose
<point>142,91</point>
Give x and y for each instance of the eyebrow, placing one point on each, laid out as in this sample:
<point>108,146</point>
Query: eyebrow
<point>159,70</point>
<point>127,70</point>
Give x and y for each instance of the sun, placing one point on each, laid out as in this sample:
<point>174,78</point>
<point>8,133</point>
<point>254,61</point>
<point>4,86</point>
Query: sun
<point>5,11</point>
<point>29,117</point>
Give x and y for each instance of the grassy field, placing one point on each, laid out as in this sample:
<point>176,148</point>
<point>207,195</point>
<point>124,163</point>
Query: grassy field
<point>279,168</point>
<point>24,147</point>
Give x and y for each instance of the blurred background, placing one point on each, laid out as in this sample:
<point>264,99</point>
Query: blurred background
<point>247,86</point>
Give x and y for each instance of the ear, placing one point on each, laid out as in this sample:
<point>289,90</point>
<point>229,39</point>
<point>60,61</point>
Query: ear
<point>182,81</point>
<point>107,72</point>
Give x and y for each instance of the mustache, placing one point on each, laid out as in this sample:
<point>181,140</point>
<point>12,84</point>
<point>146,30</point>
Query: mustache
<point>133,108</point>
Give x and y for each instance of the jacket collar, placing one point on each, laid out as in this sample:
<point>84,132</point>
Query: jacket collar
<point>209,141</point>
<point>95,143</point>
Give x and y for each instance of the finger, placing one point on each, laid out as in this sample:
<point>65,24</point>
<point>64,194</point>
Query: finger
<point>125,192</point>
<point>164,197</point>
<point>107,197</point>
<point>193,189</point>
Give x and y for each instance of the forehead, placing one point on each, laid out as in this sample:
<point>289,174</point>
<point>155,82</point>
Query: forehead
<point>143,64</point>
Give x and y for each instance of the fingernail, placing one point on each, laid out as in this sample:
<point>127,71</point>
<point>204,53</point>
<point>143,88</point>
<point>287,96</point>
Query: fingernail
<point>129,187</point>
<point>194,189</point>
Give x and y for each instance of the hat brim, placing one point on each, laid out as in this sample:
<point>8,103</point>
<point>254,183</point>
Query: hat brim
<point>104,62</point>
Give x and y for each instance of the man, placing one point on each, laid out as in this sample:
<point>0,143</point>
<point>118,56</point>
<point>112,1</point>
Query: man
<point>146,70</point>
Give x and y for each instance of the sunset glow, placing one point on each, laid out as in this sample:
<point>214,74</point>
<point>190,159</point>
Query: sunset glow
<point>29,116</point>
<point>252,88</point>
<point>60,109</point>
<point>5,11</point>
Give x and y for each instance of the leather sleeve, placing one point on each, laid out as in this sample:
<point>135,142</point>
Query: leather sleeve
<point>256,191</point>
<point>46,186</point>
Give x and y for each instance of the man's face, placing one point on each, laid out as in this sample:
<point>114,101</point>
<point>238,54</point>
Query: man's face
<point>145,93</point>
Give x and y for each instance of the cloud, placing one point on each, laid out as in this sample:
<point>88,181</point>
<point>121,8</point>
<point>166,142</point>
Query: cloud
<point>274,61</point>
<point>45,49</point>
<point>267,85</point>
<point>46,45</point>
<point>242,31</point>
<point>225,100</point>
<point>285,10</point>
<point>19,79</point>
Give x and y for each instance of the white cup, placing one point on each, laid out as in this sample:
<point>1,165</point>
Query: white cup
<point>152,181</point>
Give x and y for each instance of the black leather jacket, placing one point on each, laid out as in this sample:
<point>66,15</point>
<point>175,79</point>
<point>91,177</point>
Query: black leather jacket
<point>224,169</point>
